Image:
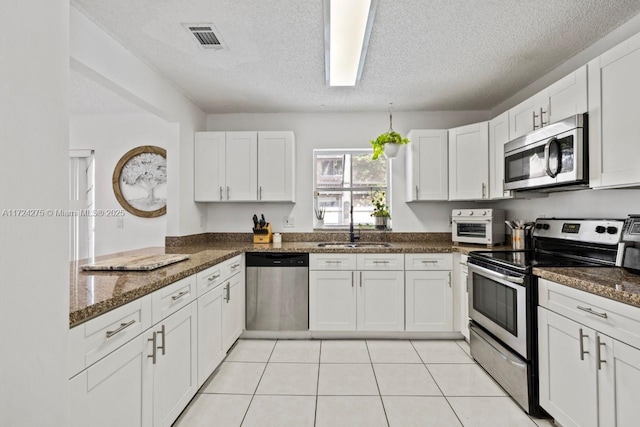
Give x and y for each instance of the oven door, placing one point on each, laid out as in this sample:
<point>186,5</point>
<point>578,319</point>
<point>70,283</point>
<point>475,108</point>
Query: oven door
<point>498,303</point>
<point>556,160</point>
<point>472,230</point>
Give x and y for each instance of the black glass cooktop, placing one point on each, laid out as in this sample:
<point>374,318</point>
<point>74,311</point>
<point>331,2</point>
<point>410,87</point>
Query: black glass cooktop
<point>526,260</point>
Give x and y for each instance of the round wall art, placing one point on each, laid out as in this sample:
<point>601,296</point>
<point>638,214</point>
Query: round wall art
<point>140,181</point>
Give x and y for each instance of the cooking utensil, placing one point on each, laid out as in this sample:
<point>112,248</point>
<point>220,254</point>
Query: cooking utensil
<point>509,224</point>
<point>255,221</point>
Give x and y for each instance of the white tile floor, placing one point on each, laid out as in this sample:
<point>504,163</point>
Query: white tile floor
<point>352,383</point>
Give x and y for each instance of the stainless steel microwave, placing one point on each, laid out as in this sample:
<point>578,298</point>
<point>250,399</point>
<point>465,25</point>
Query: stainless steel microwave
<point>553,158</point>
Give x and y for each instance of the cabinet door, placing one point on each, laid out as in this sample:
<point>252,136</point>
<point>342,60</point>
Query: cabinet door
<point>498,137</point>
<point>614,90</point>
<point>524,117</point>
<point>469,162</point>
<point>209,166</point>
<point>175,379</point>
<point>210,351</point>
<point>568,382</point>
<point>464,303</point>
<point>380,301</point>
<point>618,383</point>
<point>276,166</point>
<point>232,310</point>
<point>332,301</point>
<point>241,166</point>
<point>117,390</point>
<point>566,97</point>
<point>427,165</point>
<point>429,301</point>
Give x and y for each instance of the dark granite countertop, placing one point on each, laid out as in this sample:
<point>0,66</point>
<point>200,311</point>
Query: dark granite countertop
<point>93,293</point>
<point>610,282</point>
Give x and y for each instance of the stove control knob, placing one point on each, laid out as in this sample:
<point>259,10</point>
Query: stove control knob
<point>600,229</point>
<point>545,226</point>
<point>612,230</point>
<point>471,213</point>
<point>538,226</point>
<point>459,213</point>
<point>484,213</point>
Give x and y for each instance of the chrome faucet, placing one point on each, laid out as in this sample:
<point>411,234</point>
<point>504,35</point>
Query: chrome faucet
<point>352,236</point>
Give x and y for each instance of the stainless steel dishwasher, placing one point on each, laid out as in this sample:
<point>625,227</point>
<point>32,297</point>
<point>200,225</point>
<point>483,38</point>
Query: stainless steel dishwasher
<point>277,291</point>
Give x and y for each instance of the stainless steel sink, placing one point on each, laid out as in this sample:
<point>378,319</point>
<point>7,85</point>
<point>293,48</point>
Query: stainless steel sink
<point>347,245</point>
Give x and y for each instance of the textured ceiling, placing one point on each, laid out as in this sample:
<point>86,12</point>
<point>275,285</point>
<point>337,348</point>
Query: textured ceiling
<point>89,97</point>
<point>423,54</point>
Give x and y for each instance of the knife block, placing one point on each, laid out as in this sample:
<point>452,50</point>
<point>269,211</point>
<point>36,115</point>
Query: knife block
<point>263,235</point>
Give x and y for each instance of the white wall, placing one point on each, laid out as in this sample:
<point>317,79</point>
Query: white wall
<point>111,136</point>
<point>610,204</point>
<point>34,288</point>
<point>335,130</point>
<point>98,56</point>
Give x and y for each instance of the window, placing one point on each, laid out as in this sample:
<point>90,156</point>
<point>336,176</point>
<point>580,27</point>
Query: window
<point>346,177</point>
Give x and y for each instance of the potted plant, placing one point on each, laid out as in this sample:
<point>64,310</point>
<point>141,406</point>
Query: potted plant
<point>380,209</point>
<point>389,142</point>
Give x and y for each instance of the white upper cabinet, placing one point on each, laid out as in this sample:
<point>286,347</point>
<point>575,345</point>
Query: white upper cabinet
<point>244,166</point>
<point>564,98</point>
<point>469,162</point>
<point>614,90</point>
<point>276,166</point>
<point>498,137</point>
<point>427,165</point>
<point>210,166</point>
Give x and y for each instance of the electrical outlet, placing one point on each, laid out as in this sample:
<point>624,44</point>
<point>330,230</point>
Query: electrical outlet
<point>289,221</point>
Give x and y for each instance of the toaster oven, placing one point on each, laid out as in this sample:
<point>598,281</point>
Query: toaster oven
<point>480,226</point>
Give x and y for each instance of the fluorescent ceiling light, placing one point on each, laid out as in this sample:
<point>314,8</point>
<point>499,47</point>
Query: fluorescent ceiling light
<point>347,26</point>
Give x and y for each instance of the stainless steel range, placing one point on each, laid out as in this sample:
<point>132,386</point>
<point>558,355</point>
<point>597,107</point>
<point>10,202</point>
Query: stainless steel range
<point>503,297</point>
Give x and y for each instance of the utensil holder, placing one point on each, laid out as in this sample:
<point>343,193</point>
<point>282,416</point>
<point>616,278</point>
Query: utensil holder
<point>519,239</point>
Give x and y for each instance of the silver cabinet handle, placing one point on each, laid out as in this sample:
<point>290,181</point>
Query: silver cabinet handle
<point>333,261</point>
<point>547,149</point>
<point>164,339</point>
<point>484,190</point>
<point>449,279</point>
<point>153,343</point>
<point>235,265</point>
<point>361,279</point>
<point>582,352</point>
<point>599,352</point>
<point>214,277</point>
<point>542,122</point>
<point>227,192</point>
<point>180,295</point>
<point>430,261</point>
<point>353,278</point>
<point>591,311</point>
<point>417,193</point>
<point>227,298</point>
<point>220,193</point>
<point>535,126</point>
<point>380,261</point>
<point>260,193</point>
<point>122,327</point>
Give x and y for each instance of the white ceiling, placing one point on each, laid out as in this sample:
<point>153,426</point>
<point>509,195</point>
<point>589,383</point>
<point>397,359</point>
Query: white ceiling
<point>423,54</point>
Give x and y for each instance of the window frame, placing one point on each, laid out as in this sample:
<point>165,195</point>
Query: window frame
<point>351,189</point>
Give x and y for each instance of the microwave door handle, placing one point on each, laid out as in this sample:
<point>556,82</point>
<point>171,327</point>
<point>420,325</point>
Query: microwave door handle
<point>547,149</point>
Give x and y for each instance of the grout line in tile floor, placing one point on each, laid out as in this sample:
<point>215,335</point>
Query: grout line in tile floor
<point>258,384</point>
<point>315,413</point>
<point>366,343</point>
<point>436,383</point>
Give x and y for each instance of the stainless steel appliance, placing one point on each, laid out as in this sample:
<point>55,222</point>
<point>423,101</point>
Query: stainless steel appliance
<point>553,158</point>
<point>503,297</point>
<point>631,244</point>
<point>482,226</point>
<point>277,291</point>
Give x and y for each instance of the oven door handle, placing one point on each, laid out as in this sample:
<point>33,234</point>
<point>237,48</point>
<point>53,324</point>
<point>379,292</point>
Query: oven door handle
<point>512,279</point>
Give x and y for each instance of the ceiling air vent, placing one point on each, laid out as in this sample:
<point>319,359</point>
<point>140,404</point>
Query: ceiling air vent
<point>205,36</point>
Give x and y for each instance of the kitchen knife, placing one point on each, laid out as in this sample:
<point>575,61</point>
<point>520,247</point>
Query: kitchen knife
<point>262,221</point>
<point>255,221</point>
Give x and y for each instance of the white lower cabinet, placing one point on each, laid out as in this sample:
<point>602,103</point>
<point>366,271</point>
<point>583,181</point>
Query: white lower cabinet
<point>210,349</point>
<point>587,378</point>
<point>232,310</point>
<point>115,391</point>
<point>429,301</point>
<point>357,300</point>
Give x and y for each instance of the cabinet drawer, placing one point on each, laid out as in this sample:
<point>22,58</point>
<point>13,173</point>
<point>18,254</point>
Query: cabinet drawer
<point>172,298</point>
<point>96,338</point>
<point>428,262</point>
<point>213,276</point>
<point>332,261</point>
<point>380,261</point>
<point>622,321</point>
